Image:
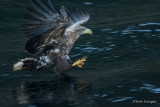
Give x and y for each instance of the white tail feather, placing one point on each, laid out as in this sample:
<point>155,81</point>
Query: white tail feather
<point>18,66</point>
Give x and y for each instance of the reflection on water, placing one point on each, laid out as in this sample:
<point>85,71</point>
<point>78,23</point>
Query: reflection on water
<point>65,90</point>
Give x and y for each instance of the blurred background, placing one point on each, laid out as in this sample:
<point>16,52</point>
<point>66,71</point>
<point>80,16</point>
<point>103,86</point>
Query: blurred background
<point>123,62</point>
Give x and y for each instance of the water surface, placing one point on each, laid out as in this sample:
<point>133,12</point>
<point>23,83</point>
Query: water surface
<point>123,62</point>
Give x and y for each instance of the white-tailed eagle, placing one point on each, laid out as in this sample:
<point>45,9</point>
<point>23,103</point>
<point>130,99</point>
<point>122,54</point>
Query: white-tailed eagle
<point>50,36</point>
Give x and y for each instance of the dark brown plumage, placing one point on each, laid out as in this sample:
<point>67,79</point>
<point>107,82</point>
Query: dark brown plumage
<point>51,35</point>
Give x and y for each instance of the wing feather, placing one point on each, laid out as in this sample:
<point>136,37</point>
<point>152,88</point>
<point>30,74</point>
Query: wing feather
<point>48,22</point>
<point>52,7</point>
<point>44,6</point>
<point>65,13</point>
<point>38,8</point>
<point>38,16</point>
<point>78,18</point>
<point>33,20</point>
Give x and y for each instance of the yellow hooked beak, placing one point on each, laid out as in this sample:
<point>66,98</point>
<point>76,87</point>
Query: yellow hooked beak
<point>87,31</point>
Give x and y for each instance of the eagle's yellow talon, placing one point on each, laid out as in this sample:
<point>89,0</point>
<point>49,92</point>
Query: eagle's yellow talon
<point>80,66</point>
<point>79,62</point>
<point>83,60</point>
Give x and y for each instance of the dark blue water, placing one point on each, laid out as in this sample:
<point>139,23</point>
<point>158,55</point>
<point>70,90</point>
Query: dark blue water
<point>123,65</point>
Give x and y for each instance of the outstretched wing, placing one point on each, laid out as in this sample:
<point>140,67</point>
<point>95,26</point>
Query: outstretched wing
<point>46,19</point>
<point>48,24</point>
<point>78,18</point>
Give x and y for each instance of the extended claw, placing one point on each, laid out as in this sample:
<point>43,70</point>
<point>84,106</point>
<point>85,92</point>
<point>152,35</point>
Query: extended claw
<point>80,62</point>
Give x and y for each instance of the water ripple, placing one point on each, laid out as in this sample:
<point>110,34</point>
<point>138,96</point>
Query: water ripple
<point>157,30</point>
<point>118,99</point>
<point>134,89</point>
<point>104,95</point>
<point>151,88</point>
<point>140,30</point>
<point>4,75</point>
<point>27,75</point>
<point>112,45</point>
<point>133,36</point>
<point>103,30</point>
<point>88,3</point>
<point>108,49</point>
<point>146,24</point>
<point>3,65</point>
<point>136,41</point>
<point>114,32</point>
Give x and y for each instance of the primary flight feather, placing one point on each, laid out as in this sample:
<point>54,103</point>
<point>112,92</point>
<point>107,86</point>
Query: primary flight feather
<point>51,35</point>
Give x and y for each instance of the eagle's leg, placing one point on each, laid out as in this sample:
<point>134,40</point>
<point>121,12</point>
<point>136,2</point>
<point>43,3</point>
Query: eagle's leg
<point>79,62</point>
